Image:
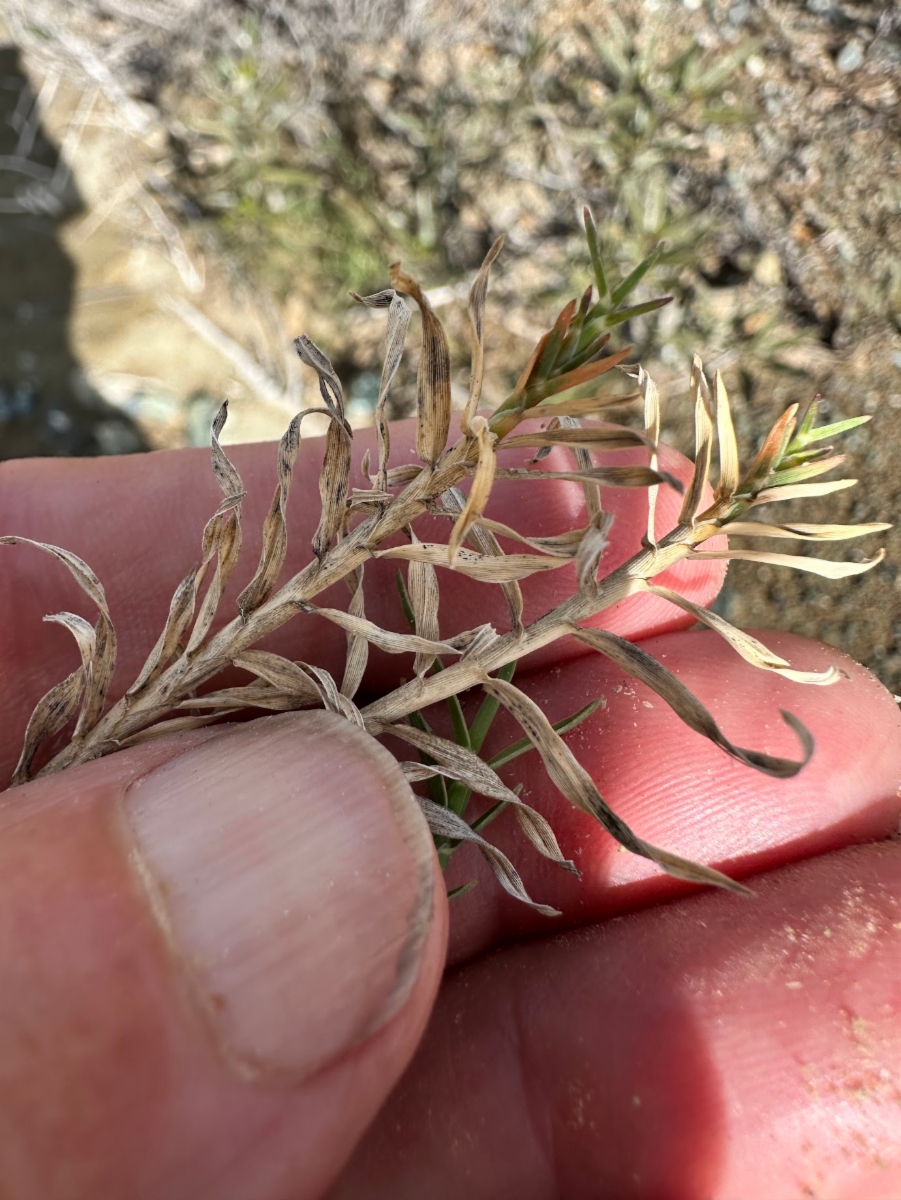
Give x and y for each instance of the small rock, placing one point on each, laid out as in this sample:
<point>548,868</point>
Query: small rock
<point>768,269</point>
<point>850,57</point>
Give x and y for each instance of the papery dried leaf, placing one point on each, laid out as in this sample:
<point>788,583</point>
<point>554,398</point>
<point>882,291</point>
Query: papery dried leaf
<point>357,647</point>
<point>568,774</point>
<point>251,695</point>
<point>481,486</point>
<point>700,394</point>
<point>484,636</point>
<point>458,762</point>
<point>329,383</point>
<point>805,532</point>
<point>750,649</point>
<point>176,725</point>
<point>96,680</point>
<point>816,566</point>
<point>687,706</point>
<point>585,463</point>
<point>433,378</point>
<point>561,545</point>
<point>454,501</point>
<point>83,632</point>
<point>405,474</point>
<point>651,397</point>
<point>804,471</point>
<point>801,491</point>
<point>181,611</point>
<point>331,697</point>
<point>369,497</point>
<point>444,823</point>
<point>281,673</point>
<point>384,639</point>
<point>333,484</point>
<point>424,598</point>
<point>82,573</point>
<point>475,565</point>
<point>398,321</point>
<point>226,475</point>
<point>85,635</point>
<point>730,470</point>
<point>477,295</point>
<point>221,536</point>
<point>605,476</point>
<point>50,714</point>
<point>532,823</point>
<point>586,407</point>
<point>275,526</point>
<point>592,546</point>
<point>617,438</point>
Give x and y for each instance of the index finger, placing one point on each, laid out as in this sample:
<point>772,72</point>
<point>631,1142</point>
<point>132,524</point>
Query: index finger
<point>137,522</point>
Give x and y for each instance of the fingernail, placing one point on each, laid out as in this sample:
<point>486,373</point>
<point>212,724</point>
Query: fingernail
<point>292,872</point>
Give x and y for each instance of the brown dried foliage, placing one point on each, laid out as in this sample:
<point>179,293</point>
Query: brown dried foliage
<point>353,525</point>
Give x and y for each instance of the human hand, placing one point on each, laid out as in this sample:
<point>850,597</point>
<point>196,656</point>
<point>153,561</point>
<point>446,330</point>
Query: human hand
<point>218,952</point>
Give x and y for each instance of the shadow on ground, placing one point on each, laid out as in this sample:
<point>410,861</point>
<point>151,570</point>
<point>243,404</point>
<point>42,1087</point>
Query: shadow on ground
<point>46,406</point>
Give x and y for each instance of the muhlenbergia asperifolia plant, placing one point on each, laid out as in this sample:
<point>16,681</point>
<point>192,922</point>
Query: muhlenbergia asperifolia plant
<point>355,525</point>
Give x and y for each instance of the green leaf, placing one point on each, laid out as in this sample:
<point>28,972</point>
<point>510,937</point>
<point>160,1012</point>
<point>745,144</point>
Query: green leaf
<point>806,436</point>
<point>487,817</point>
<point>594,249</point>
<point>478,731</point>
<point>524,744</point>
<point>637,310</point>
<point>635,277</point>
<point>405,601</point>
<point>462,890</point>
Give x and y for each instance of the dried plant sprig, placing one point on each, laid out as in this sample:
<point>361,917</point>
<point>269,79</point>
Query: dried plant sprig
<point>354,526</point>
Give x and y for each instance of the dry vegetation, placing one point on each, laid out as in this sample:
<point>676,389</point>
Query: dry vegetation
<point>567,379</point>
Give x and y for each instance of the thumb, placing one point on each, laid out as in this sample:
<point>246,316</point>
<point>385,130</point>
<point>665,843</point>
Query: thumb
<point>217,955</point>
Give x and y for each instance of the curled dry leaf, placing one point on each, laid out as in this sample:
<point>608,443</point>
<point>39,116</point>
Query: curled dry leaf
<point>384,639</point>
<point>434,387</point>
<point>591,548</point>
<point>275,526</point>
<point>482,535</point>
<point>568,774</point>
<point>460,763</point>
<point>446,824</point>
<point>647,670</point>
<point>51,713</point>
<point>590,438</point>
<point>357,646</point>
<point>750,649</point>
<point>398,321</point>
<point>424,598</point>
<point>477,566</point>
<point>90,684</point>
<point>477,294</point>
<point>633,477</point>
<point>700,394</point>
<point>481,486</point>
